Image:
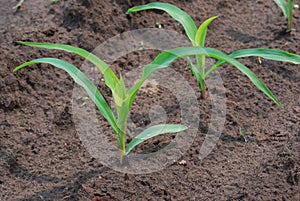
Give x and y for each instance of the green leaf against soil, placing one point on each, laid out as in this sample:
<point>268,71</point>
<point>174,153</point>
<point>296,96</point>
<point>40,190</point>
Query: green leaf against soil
<point>175,12</point>
<point>81,79</point>
<point>193,69</point>
<point>152,132</point>
<point>272,54</point>
<point>109,77</point>
<point>119,92</point>
<point>164,59</point>
<point>283,6</point>
<point>202,30</point>
<point>122,105</point>
<point>200,41</point>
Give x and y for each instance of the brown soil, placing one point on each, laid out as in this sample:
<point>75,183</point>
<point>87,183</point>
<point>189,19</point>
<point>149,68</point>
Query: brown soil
<point>42,157</point>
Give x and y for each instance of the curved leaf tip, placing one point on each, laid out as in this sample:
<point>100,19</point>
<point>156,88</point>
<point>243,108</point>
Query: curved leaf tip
<point>154,131</point>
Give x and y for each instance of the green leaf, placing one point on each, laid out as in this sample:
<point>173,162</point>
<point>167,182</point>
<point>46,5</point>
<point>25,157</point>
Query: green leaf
<point>164,59</point>
<point>119,92</point>
<point>81,79</point>
<point>122,105</point>
<point>200,41</point>
<point>202,30</point>
<point>175,12</point>
<point>109,77</point>
<point>193,69</point>
<point>154,131</point>
<point>134,90</point>
<point>272,54</point>
<point>283,6</point>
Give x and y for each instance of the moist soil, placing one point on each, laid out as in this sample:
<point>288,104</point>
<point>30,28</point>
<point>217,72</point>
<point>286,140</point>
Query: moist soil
<point>42,156</point>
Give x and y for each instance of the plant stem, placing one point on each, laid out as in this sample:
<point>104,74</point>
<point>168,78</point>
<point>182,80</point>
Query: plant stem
<point>122,139</point>
<point>201,68</point>
<point>290,15</point>
<point>122,124</point>
<point>202,86</point>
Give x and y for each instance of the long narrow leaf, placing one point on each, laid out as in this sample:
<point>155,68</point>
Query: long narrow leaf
<point>283,6</point>
<point>202,30</point>
<point>121,101</point>
<point>193,69</point>
<point>110,78</point>
<point>164,59</point>
<point>272,54</point>
<point>200,41</point>
<point>81,79</point>
<point>152,132</point>
<point>175,12</point>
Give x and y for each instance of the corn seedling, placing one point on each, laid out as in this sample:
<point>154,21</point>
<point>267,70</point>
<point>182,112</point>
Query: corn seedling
<point>287,10</point>
<point>198,35</point>
<point>123,98</point>
<point>291,153</point>
<point>243,135</point>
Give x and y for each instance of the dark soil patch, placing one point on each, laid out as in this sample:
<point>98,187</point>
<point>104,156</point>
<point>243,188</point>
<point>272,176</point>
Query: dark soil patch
<point>43,158</point>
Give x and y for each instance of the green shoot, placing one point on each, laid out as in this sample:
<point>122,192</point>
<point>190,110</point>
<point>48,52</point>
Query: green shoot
<point>287,10</point>
<point>243,135</point>
<point>291,153</point>
<point>123,98</point>
<point>197,37</point>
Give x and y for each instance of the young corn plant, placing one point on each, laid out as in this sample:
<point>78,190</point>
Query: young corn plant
<point>242,134</point>
<point>287,10</point>
<point>123,99</point>
<point>197,37</point>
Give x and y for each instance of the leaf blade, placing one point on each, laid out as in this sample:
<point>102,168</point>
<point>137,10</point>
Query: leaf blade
<point>81,79</point>
<point>283,6</point>
<point>202,30</point>
<point>110,78</point>
<point>164,59</point>
<point>179,15</point>
<point>193,69</point>
<point>271,54</point>
<point>152,132</point>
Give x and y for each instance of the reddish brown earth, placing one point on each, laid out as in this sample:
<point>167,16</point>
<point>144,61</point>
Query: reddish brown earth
<point>42,157</point>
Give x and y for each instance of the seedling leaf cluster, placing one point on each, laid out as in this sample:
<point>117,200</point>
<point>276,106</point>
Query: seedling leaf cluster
<point>124,98</point>
<point>197,37</point>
